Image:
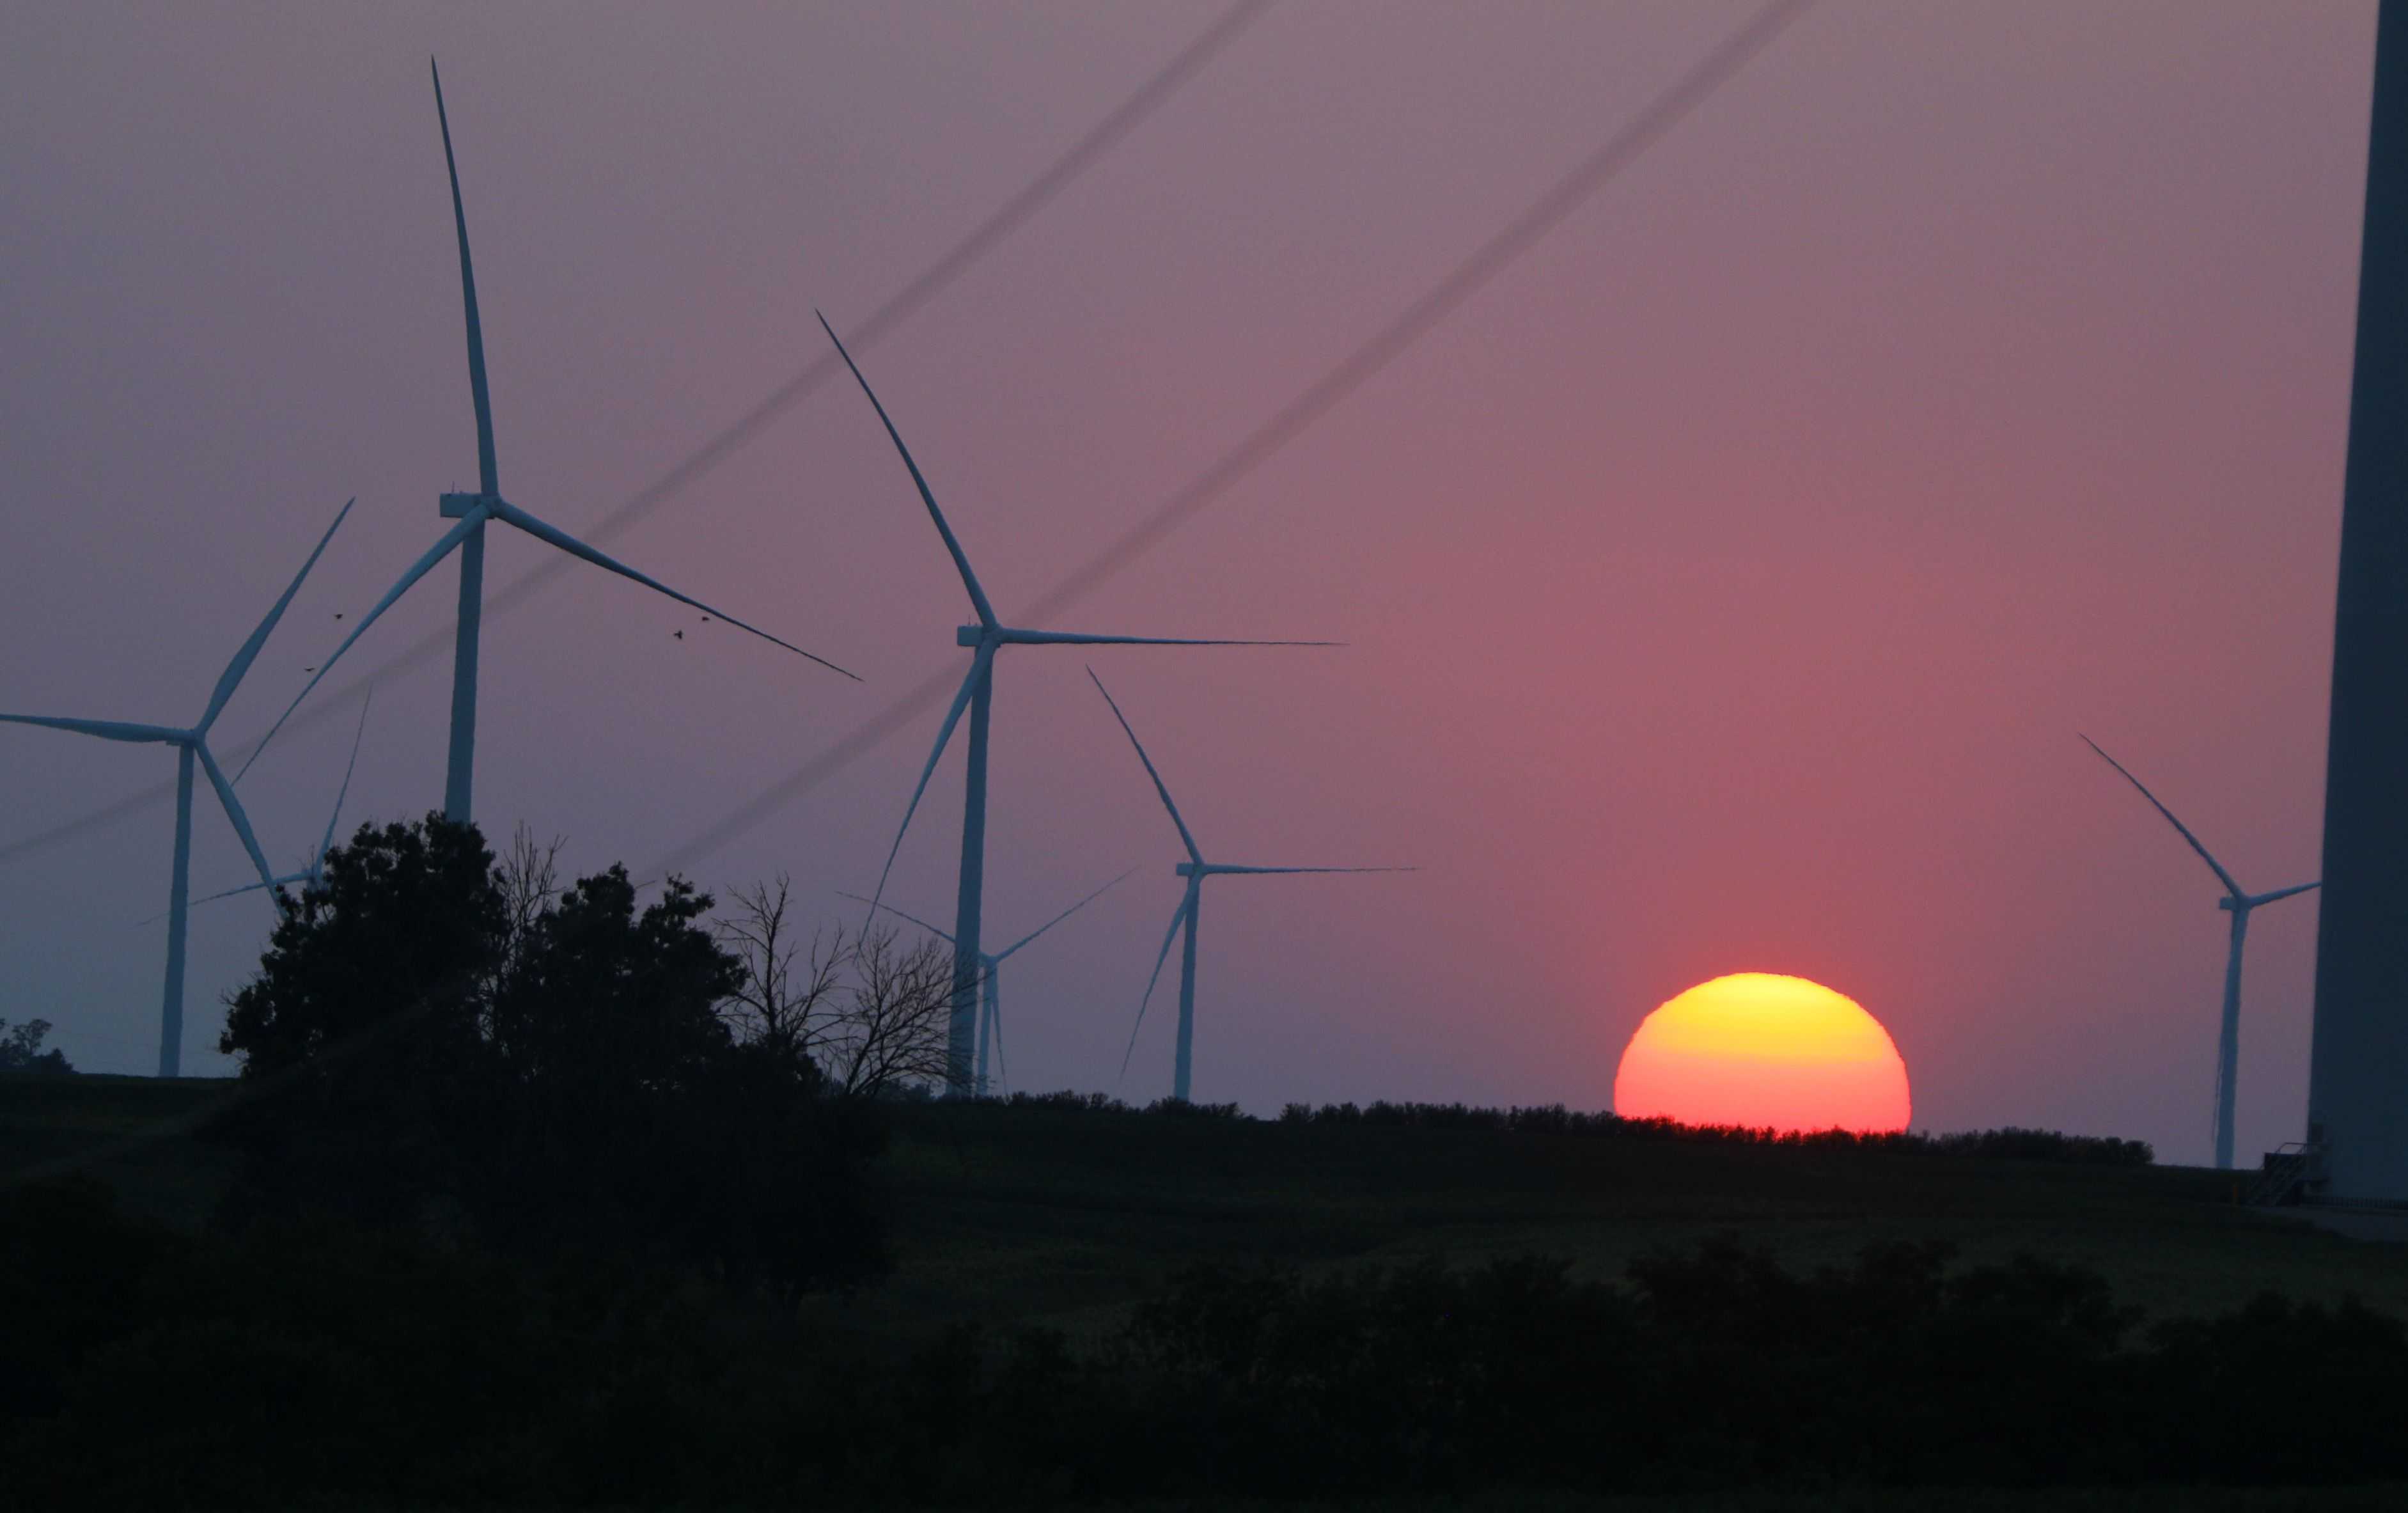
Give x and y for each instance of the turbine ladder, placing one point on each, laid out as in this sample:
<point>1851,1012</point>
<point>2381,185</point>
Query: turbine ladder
<point>2284,1176</point>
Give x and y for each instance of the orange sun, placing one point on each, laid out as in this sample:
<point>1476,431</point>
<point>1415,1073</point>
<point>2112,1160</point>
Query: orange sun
<point>1764,1050</point>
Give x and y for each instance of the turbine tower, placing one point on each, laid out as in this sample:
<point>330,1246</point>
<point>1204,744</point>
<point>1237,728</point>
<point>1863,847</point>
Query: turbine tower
<point>2238,901</point>
<point>193,746</point>
<point>1195,869</point>
<point>2358,1058</point>
<point>472,511</point>
<point>985,638</point>
<point>990,970</point>
<point>315,867</point>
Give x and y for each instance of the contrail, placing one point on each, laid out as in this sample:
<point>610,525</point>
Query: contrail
<point>1266,440</point>
<point>931,282</point>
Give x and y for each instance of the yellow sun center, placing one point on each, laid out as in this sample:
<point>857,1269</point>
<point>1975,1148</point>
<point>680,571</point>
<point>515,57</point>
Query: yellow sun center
<point>1767,1051</point>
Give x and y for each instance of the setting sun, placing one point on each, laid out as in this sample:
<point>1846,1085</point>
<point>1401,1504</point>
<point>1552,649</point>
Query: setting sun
<point>1764,1050</point>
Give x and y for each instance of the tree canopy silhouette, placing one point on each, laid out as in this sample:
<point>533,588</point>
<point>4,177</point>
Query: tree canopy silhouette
<point>446,1040</point>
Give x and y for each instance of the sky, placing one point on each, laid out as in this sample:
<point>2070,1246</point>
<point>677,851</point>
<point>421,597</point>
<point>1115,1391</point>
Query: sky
<point>1723,584</point>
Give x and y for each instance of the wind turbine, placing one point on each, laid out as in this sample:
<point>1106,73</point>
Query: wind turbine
<point>1195,869</point>
<point>316,867</point>
<point>985,638</point>
<point>192,746</point>
<point>2237,901</point>
<point>990,970</point>
<point>472,511</point>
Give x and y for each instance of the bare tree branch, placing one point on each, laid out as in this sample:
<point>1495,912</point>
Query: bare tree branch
<point>869,1012</point>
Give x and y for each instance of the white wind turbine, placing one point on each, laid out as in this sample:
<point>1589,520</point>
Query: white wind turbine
<point>990,970</point>
<point>472,511</point>
<point>985,638</point>
<point>193,746</point>
<point>315,867</point>
<point>1195,869</point>
<point>2238,902</point>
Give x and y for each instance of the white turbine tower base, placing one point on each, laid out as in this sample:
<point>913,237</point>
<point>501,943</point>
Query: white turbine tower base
<point>2238,902</point>
<point>976,694</point>
<point>193,746</point>
<point>990,972</point>
<point>1195,870</point>
<point>472,511</point>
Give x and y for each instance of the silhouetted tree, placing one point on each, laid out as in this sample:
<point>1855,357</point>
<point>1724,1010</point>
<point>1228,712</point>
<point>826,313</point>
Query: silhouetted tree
<point>435,1033</point>
<point>790,986</point>
<point>869,1014</point>
<point>21,1049</point>
<point>363,1034</point>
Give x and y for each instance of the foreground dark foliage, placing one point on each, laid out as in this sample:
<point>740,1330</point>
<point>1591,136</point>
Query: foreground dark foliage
<point>456,1048</point>
<point>21,1049</point>
<point>345,1365</point>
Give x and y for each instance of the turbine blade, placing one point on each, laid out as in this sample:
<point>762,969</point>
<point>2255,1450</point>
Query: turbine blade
<point>106,729</point>
<point>553,537</point>
<point>1251,870</point>
<point>1184,835</point>
<point>1178,918</point>
<point>2214,866</point>
<point>234,813</point>
<point>2283,893</point>
<point>418,569</point>
<point>326,843</point>
<point>247,888</point>
<point>232,677</point>
<point>1068,638</point>
<point>979,663</point>
<point>1064,915</point>
<point>961,560</point>
<point>488,475</point>
<point>898,913</point>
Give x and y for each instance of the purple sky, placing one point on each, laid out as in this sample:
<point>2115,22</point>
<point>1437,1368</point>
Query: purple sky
<point>1725,583</point>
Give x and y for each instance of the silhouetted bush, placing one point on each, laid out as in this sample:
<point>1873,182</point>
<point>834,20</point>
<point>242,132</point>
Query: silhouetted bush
<point>448,1043</point>
<point>20,1051</point>
<point>335,1364</point>
<point>1556,1119</point>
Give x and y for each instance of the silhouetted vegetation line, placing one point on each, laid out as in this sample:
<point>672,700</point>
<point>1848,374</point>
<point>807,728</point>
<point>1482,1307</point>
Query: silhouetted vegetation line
<point>327,1360</point>
<point>1556,1119</point>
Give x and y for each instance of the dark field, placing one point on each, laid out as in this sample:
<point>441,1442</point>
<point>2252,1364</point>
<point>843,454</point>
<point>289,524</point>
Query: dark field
<point>1061,1216</point>
<point>1022,1215</point>
<point>1006,1216</point>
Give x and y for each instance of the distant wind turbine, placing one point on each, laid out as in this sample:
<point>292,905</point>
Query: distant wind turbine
<point>2238,902</point>
<point>192,746</point>
<point>985,638</point>
<point>315,869</point>
<point>472,511</point>
<point>1195,869</point>
<point>990,970</point>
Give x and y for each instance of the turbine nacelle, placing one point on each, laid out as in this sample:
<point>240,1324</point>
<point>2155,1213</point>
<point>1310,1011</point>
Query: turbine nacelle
<point>460,506</point>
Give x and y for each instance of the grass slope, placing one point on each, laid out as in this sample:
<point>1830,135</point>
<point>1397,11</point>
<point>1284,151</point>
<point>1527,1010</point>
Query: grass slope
<point>1062,1216</point>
